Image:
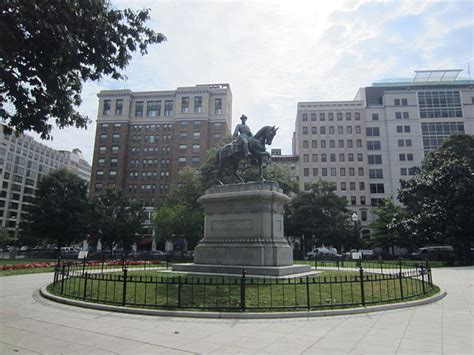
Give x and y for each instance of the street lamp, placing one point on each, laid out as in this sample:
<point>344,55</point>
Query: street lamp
<point>355,219</point>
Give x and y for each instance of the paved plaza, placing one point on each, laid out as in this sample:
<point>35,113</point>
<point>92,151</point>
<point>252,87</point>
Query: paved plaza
<point>31,324</point>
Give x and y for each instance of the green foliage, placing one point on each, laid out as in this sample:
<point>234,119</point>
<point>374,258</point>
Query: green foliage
<point>440,198</point>
<point>388,228</point>
<point>115,218</point>
<point>319,213</point>
<point>180,215</point>
<point>5,238</point>
<point>57,211</point>
<point>49,47</point>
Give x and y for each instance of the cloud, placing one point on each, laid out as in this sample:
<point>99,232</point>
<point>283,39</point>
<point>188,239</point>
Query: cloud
<point>275,54</point>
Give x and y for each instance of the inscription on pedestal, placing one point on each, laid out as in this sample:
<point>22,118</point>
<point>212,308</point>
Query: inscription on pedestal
<point>226,225</point>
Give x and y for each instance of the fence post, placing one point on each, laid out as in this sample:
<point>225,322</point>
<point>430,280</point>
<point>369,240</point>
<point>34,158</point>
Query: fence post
<point>83,265</point>
<point>315,262</point>
<point>423,277</point>
<point>400,276</point>
<point>85,286</point>
<point>62,277</point>
<point>179,291</point>
<point>362,291</point>
<point>308,299</point>
<point>102,267</point>
<point>124,290</point>
<point>242,290</point>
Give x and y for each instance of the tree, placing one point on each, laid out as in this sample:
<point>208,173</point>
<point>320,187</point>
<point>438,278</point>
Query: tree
<point>180,216</point>
<point>116,219</point>
<point>5,238</point>
<point>440,199</point>
<point>50,47</point>
<point>58,209</point>
<point>388,228</point>
<point>319,213</point>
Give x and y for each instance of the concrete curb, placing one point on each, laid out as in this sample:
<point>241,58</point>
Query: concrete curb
<point>244,315</point>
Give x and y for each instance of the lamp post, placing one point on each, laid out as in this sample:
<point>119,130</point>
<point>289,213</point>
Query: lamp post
<point>355,219</point>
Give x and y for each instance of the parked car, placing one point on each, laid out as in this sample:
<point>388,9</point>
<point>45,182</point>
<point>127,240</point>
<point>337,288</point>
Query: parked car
<point>435,252</point>
<point>153,254</point>
<point>366,254</point>
<point>323,252</point>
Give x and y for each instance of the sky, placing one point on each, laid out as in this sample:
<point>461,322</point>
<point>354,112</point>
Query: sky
<point>275,54</point>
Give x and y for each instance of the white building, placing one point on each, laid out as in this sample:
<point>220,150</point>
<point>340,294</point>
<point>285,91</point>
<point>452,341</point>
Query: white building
<point>367,145</point>
<point>23,161</point>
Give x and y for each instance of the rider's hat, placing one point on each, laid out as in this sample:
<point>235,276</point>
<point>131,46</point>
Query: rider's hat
<point>243,117</point>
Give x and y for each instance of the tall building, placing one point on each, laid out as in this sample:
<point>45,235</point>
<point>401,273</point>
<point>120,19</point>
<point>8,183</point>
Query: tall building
<point>366,146</point>
<point>144,139</point>
<point>23,161</point>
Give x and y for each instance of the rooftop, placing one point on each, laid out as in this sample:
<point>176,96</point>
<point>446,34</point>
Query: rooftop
<point>427,77</point>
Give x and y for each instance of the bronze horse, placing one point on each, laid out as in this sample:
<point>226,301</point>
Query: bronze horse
<point>232,153</point>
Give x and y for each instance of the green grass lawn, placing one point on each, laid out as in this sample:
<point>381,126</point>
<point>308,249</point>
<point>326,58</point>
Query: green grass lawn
<point>152,289</point>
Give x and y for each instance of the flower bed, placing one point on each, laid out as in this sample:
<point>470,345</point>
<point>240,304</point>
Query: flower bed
<point>46,264</point>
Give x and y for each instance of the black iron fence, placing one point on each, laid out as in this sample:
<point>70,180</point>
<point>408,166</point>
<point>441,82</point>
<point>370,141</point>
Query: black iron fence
<point>127,283</point>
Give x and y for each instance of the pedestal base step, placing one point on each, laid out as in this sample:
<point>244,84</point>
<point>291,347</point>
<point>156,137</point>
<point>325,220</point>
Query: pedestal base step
<point>237,269</point>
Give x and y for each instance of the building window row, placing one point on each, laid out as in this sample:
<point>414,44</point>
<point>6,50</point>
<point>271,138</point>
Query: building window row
<point>403,129</point>
<point>323,130</point>
<point>438,104</point>
<point>402,115</point>
<point>333,172</point>
<point>323,144</point>
<point>330,116</point>
<point>400,102</point>
<point>408,171</point>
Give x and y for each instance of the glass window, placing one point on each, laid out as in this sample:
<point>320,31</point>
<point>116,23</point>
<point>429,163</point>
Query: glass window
<point>305,130</point>
<point>374,159</point>
<point>139,108</point>
<point>106,111</point>
<point>185,104</point>
<point>377,189</point>
<point>218,106</point>
<point>373,145</point>
<point>153,108</point>
<point>169,108</point>
<point>375,173</point>
<point>313,117</point>
<point>440,104</point>
<point>118,107</point>
<point>373,131</point>
<point>198,104</point>
<point>305,117</point>
<point>375,117</point>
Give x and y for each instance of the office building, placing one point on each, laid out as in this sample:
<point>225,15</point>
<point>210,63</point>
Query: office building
<point>144,139</point>
<point>365,146</point>
<point>23,161</point>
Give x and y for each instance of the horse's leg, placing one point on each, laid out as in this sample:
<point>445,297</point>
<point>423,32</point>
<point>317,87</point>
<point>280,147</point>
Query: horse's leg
<point>260,168</point>
<point>219,167</point>
<point>235,168</point>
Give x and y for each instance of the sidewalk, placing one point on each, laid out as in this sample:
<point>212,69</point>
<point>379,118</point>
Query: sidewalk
<point>30,324</point>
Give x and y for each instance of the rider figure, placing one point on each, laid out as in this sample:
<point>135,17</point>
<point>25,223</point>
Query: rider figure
<point>242,131</point>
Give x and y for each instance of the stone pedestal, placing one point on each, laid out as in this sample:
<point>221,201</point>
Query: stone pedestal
<point>244,228</point>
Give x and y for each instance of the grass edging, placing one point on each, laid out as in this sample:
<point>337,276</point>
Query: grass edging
<point>241,315</point>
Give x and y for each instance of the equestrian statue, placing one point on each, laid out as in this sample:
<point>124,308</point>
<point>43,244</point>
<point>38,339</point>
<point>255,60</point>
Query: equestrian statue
<point>246,147</point>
